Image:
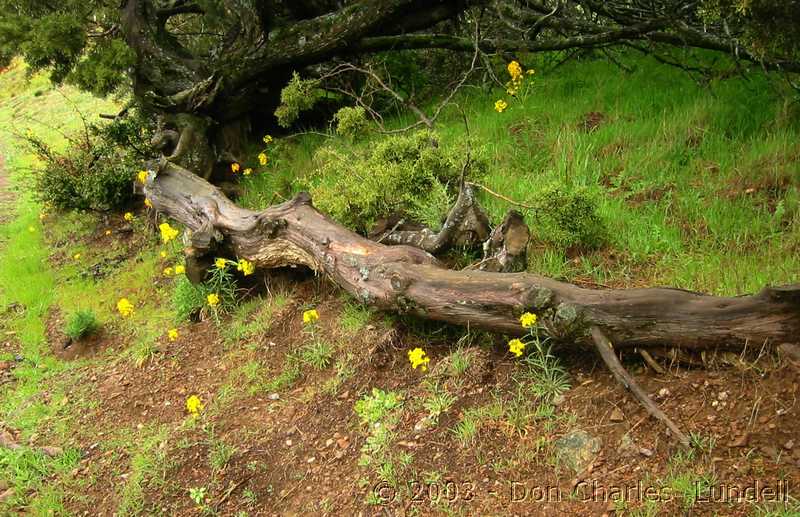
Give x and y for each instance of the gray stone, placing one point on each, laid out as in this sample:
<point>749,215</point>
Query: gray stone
<point>577,449</point>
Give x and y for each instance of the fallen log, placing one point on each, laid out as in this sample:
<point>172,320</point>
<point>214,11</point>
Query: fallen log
<point>409,280</point>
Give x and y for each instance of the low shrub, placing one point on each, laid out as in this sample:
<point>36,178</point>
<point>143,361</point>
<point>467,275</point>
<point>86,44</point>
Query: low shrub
<point>413,175</point>
<point>568,218</point>
<point>80,324</point>
<point>96,169</point>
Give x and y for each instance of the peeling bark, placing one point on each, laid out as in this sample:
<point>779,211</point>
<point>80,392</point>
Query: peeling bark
<point>409,280</point>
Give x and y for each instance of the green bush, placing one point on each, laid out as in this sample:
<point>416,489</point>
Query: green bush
<point>351,121</point>
<point>568,218</point>
<point>81,324</point>
<point>188,298</point>
<point>95,171</point>
<point>411,174</point>
<point>299,95</point>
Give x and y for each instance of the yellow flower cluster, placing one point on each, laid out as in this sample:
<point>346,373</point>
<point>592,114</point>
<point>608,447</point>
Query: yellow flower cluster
<point>235,167</point>
<point>513,86</point>
<point>527,320</point>
<point>248,171</point>
<point>213,299</point>
<point>262,158</point>
<point>180,269</point>
<point>168,271</point>
<point>142,177</point>
<point>515,346</point>
<point>267,139</point>
<point>417,357</point>
<point>124,307</point>
<point>220,263</point>
<point>172,334</point>
<point>310,316</point>
<point>128,216</point>
<point>245,267</point>
<point>515,71</point>
<point>148,203</point>
<point>167,232</point>
<point>194,405</point>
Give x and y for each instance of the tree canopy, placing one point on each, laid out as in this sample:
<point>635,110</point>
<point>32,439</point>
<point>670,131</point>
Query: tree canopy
<point>226,60</point>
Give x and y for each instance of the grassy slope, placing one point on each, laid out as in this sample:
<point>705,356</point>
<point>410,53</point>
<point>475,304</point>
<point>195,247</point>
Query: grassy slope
<point>698,184</point>
<point>642,147</point>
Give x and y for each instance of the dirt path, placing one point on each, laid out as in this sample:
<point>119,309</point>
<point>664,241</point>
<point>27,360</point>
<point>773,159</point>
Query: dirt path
<point>7,196</point>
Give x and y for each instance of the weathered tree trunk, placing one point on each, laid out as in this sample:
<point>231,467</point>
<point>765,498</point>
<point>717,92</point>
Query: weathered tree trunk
<point>409,280</point>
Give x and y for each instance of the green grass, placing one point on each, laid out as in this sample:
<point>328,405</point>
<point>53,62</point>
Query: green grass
<point>671,165</point>
<point>26,279</point>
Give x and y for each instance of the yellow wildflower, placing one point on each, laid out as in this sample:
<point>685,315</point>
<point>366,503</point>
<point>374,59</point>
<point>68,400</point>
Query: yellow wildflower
<point>262,158</point>
<point>128,216</point>
<point>235,167</point>
<point>167,232</point>
<point>500,106</point>
<point>213,299</point>
<point>194,405</point>
<point>125,307</point>
<point>163,254</point>
<point>179,269</point>
<point>417,358</point>
<point>148,203</point>
<point>248,171</point>
<point>142,177</point>
<point>514,70</point>
<point>245,267</point>
<point>267,139</point>
<point>527,320</point>
<point>220,263</point>
<point>515,346</point>
<point>76,256</point>
<point>167,271</point>
<point>108,232</point>
<point>172,334</point>
<point>310,316</point>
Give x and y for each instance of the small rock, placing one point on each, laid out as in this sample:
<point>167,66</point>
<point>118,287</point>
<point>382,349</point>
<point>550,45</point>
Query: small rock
<point>577,449</point>
<point>626,445</point>
<point>741,441</point>
<point>344,395</point>
<point>663,392</point>
<point>311,459</point>
<point>52,451</point>
<point>288,443</point>
<point>616,415</point>
<point>343,442</point>
<point>645,452</point>
<point>329,442</point>
<point>788,445</point>
<point>722,395</point>
<point>274,396</point>
<point>423,424</point>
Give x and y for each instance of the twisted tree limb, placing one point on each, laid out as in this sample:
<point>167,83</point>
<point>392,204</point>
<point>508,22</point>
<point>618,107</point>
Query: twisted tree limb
<point>409,280</point>
<point>606,351</point>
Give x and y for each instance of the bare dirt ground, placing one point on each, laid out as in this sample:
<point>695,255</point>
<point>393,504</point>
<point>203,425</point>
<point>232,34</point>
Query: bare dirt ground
<point>300,450</point>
